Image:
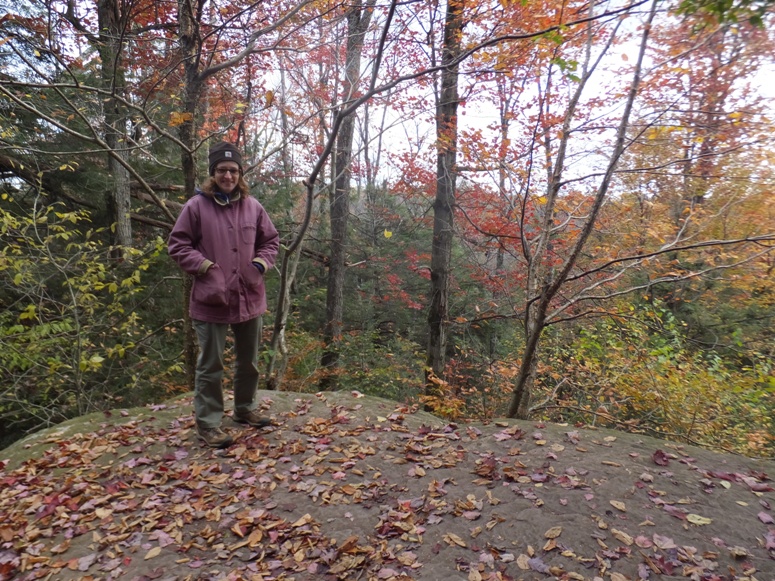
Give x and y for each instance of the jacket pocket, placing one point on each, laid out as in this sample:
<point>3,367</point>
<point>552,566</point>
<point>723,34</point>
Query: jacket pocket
<point>252,277</point>
<point>210,288</point>
<point>249,234</point>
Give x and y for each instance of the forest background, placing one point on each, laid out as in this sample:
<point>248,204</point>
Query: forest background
<point>555,209</point>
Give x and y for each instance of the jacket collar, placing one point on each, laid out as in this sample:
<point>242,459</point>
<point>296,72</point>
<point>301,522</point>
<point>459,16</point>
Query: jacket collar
<point>222,199</point>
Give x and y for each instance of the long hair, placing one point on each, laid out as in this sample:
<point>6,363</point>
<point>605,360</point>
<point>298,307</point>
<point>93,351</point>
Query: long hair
<point>210,187</point>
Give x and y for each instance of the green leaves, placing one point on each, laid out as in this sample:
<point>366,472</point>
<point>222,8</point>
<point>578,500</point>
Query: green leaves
<point>68,312</point>
<point>728,11</point>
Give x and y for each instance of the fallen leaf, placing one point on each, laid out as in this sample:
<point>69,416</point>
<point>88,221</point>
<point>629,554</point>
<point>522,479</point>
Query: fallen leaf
<point>660,458</point>
<point>622,536</point>
<point>305,520</point>
<point>643,542</point>
<point>663,543</point>
<point>536,564</point>
<point>553,533</point>
<point>85,562</point>
<point>618,505</point>
<point>453,539</point>
<point>152,553</point>
<point>523,562</point>
<point>697,519</point>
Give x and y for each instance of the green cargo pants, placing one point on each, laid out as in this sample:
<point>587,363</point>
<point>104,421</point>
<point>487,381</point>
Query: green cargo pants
<point>208,379</point>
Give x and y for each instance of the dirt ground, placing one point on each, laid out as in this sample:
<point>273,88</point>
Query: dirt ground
<point>351,487</point>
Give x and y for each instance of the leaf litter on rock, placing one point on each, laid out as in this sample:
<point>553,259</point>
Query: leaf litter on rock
<point>315,463</point>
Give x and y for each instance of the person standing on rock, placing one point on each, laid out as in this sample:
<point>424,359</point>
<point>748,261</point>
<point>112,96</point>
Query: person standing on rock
<point>226,240</point>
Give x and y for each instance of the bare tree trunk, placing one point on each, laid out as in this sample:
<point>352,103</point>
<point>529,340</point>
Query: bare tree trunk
<point>290,259</point>
<point>278,349</point>
<point>444,204</point>
<point>190,48</point>
<point>110,44</point>
<point>357,23</point>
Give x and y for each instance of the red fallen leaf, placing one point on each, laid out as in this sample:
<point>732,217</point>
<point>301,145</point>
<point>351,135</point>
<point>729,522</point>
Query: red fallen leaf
<point>660,458</point>
<point>766,518</point>
<point>666,566</point>
<point>487,468</point>
<point>757,486</point>
<point>673,511</point>
<point>769,539</point>
<point>572,437</point>
<point>643,542</point>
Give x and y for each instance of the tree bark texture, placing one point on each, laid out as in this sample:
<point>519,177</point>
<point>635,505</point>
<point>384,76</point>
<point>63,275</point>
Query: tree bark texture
<point>190,51</point>
<point>110,45</point>
<point>357,23</point>
<point>444,203</point>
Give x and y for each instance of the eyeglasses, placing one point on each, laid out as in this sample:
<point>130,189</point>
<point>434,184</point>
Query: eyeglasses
<point>221,171</point>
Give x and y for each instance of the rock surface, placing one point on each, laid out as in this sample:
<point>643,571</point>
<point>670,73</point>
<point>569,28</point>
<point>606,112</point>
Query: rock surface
<point>351,487</point>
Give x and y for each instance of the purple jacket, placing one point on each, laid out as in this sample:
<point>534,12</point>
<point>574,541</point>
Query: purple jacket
<point>222,244</point>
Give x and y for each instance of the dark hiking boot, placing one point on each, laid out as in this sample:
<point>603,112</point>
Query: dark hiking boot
<point>214,437</point>
<point>253,418</point>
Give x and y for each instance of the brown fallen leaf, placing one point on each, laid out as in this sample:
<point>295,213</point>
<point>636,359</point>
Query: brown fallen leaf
<point>349,544</point>
<point>622,537</point>
<point>553,533</point>
<point>618,505</point>
<point>305,520</point>
<point>453,539</point>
